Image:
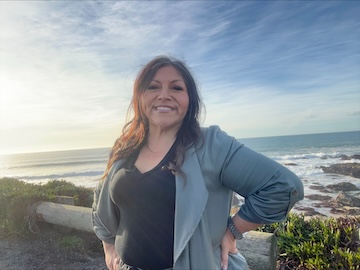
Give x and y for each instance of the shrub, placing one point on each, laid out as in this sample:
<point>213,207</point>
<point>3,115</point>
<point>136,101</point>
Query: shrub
<point>318,243</point>
<point>82,196</point>
<point>16,197</point>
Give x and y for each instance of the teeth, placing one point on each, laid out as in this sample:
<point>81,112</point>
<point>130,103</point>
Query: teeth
<point>164,109</point>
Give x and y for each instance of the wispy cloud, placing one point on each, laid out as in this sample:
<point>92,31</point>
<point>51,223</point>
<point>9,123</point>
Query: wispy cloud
<point>263,68</point>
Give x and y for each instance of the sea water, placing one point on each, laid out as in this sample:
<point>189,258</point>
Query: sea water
<point>82,167</point>
<point>303,154</point>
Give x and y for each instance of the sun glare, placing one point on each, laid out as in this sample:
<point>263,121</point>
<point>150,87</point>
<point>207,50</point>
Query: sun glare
<point>12,94</point>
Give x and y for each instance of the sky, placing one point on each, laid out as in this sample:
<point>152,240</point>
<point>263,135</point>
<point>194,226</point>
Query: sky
<point>264,68</point>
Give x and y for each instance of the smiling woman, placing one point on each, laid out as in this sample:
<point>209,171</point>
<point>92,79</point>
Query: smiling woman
<point>184,177</point>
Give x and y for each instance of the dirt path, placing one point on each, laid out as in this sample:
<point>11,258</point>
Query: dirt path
<point>43,251</point>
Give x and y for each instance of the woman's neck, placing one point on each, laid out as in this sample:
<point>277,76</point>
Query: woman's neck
<point>160,140</point>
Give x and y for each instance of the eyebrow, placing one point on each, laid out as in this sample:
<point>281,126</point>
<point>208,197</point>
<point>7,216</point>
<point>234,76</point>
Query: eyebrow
<point>179,80</point>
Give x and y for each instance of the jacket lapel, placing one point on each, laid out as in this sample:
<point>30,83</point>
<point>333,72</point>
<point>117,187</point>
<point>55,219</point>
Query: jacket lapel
<point>190,201</point>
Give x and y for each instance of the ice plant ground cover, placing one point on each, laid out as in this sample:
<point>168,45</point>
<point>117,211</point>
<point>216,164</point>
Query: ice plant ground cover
<point>317,242</point>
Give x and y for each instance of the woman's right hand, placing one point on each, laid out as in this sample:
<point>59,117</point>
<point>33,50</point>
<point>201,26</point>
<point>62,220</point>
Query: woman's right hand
<point>112,259</point>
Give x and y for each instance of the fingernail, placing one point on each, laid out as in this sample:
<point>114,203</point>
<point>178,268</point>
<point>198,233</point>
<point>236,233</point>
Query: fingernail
<point>224,267</point>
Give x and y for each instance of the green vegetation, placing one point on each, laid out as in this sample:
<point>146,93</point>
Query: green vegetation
<point>316,243</point>
<point>16,197</point>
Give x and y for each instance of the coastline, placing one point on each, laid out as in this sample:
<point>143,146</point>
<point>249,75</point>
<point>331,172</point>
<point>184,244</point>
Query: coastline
<point>339,199</point>
<point>334,200</point>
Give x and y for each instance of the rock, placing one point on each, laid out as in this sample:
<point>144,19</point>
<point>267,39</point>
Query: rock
<point>320,188</point>
<point>338,211</point>
<point>327,204</point>
<point>351,169</point>
<point>311,212</point>
<point>317,197</point>
<point>345,157</point>
<point>343,186</point>
<point>353,211</point>
<point>290,164</point>
<point>343,204</point>
<point>308,211</point>
<point>344,199</point>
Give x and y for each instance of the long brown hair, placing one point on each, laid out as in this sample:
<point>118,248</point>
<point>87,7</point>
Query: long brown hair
<point>135,130</point>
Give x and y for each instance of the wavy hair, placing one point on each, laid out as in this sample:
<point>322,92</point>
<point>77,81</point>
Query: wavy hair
<point>135,130</point>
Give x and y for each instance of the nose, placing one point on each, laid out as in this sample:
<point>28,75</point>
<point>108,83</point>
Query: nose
<point>164,93</point>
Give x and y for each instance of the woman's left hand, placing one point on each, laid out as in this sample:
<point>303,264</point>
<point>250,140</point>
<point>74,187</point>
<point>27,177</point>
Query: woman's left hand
<point>228,245</point>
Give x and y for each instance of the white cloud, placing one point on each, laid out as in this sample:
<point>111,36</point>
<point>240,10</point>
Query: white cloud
<point>264,69</point>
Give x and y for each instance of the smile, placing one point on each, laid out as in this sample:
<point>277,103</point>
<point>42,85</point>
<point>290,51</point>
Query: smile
<point>163,109</point>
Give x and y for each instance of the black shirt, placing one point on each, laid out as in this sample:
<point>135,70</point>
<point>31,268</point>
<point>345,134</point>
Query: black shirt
<point>146,203</point>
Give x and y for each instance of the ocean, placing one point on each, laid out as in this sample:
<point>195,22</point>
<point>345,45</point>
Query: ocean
<point>306,153</point>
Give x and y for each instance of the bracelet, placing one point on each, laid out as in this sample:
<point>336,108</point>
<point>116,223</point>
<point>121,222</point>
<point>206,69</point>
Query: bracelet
<point>234,231</point>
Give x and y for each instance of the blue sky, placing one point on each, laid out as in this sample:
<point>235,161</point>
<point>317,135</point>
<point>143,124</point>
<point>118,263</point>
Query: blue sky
<point>264,68</point>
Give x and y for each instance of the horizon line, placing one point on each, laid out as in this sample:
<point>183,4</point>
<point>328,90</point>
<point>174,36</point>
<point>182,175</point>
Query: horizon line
<point>104,147</point>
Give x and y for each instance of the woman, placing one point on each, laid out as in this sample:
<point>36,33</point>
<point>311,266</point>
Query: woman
<point>165,197</point>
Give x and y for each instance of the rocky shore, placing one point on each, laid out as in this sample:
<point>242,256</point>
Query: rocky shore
<point>351,169</point>
<point>346,201</point>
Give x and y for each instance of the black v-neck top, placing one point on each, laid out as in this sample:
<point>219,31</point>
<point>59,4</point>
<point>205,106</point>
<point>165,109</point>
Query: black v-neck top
<point>146,203</point>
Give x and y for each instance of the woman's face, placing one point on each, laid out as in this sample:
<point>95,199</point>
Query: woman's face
<point>165,102</point>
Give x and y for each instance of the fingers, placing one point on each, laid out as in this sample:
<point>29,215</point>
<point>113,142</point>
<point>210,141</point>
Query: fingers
<point>113,263</point>
<point>116,263</point>
<point>224,259</point>
<point>228,245</point>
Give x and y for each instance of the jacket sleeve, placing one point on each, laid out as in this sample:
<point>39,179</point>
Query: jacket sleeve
<point>105,214</point>
<point>270,189</point>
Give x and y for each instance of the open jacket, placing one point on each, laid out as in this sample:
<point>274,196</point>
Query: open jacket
<point>214,168</point>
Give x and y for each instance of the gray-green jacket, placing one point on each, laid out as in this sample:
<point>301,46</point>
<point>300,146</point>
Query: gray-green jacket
<point>203,200</point>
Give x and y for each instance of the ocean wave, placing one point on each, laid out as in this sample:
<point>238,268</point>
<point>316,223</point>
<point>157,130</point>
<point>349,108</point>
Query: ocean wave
<point>57,164</point>
<point>62,176</point>
<point>319,155</point>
